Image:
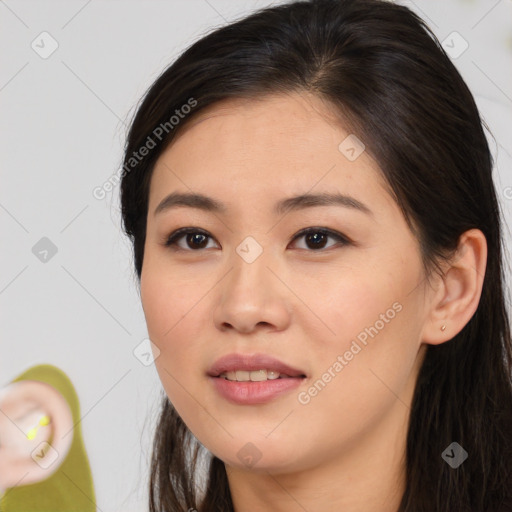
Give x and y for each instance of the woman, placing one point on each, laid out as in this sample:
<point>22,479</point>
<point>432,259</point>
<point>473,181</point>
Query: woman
<point>368,373</point>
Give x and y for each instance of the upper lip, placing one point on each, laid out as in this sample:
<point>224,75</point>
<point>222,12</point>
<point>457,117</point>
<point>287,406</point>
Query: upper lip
<point>253,362</point>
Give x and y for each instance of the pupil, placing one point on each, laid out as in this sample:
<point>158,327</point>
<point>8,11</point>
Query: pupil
<point>197,237</point>
<point>315,237</point>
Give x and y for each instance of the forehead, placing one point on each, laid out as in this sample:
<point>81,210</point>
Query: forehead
<point>300,124</point>
<point>290,141</point>
<point>298,113</point>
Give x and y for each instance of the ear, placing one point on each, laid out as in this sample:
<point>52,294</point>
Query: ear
<point>35,432</point>
<point>458,291</point>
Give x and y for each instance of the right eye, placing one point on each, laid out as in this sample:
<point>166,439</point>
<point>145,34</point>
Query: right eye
<point>195,239</point>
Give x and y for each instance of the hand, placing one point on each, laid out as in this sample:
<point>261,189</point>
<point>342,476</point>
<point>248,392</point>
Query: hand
<point>35,432</point>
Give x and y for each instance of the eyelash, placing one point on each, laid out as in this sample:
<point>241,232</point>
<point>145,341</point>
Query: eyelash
<point>173,238</point>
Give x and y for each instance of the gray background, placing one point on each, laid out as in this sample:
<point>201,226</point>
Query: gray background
<point>63,123</point>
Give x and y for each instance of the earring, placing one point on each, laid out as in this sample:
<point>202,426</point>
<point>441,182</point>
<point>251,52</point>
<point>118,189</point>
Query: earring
<point>443,328</point>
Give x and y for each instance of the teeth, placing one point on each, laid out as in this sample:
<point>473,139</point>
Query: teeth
<point>253,376</point>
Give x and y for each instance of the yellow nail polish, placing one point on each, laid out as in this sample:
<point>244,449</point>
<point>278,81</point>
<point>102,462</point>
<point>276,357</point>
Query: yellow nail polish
<point>43,421</point>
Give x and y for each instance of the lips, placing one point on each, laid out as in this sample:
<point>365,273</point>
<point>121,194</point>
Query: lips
<point>245,362</point>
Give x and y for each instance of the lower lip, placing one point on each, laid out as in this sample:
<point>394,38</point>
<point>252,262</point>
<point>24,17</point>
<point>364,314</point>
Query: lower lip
<point>249,393</point>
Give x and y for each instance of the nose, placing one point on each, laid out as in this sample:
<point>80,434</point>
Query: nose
<point>253,296</point>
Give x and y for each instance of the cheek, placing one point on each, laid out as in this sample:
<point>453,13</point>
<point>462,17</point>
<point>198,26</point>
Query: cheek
<point>369,329</point>
<point>166,298</point>
<point>166,303</point>
<point>172,306</point>
<point>346,302</point>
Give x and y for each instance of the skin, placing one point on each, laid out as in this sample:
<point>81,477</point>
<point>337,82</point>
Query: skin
<point>344,449</point>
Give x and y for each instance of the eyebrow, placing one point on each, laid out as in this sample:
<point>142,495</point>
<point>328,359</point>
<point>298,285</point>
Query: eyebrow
<point>205,203</point>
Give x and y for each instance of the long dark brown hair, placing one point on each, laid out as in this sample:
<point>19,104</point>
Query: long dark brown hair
<point>389,80</point>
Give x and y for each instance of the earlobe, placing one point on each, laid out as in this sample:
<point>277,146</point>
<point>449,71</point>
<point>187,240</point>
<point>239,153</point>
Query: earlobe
<point>34,421</point>
<point>458,295</point>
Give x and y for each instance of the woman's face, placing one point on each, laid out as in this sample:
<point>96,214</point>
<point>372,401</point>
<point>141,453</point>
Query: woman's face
<point>346,313</point>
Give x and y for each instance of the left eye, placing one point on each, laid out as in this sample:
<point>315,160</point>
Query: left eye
<point>197,239</point>
<point>317,236</point>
